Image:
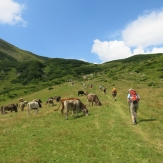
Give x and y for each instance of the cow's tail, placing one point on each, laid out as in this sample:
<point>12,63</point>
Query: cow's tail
<point>58,107</point>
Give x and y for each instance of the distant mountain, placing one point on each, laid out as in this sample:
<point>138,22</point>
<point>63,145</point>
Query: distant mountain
<point>9,52</point>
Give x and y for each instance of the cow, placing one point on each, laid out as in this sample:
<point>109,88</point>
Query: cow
<point>50,101</point>
<point>57,98</point>
<point>73,104</point>
<point>10,107</point>
<point>22,105</point>
<point>80,93</point>
<point>35,104</point>
<point>93,98</point>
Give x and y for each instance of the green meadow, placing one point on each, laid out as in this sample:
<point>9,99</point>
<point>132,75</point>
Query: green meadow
<point>105,136</point>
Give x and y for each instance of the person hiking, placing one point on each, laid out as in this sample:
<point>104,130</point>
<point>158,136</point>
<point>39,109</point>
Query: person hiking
<point>114,93</point>
<point>100,87</point>
<point>133,102</point>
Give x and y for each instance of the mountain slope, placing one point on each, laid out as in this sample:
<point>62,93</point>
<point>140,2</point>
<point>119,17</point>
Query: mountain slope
<point>23,72</point>
<point>9,52</point>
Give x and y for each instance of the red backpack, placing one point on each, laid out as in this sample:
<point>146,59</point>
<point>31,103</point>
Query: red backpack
<point>134,96</point>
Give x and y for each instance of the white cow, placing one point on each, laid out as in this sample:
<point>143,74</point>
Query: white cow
<point>35,104</point>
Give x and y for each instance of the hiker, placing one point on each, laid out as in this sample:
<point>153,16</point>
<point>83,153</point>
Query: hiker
<point>100,87</point>
<point>104,90</point>
<point>133,102</point>
<point>91,86</point>
<point>114,93</point>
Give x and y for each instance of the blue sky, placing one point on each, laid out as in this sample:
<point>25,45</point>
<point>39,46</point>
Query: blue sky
<point>94,31</point>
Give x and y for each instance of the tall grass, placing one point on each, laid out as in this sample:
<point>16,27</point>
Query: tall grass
<point>105,136</point>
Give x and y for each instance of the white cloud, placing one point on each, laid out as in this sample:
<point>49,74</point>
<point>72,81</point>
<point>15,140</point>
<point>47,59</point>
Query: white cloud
<point>82,60</point>
<point>138,50</point>
<point>111,50</point>
<point>157,50</point>
<point>147,30</point>
<point>11,12</point>
<point>142,36</point>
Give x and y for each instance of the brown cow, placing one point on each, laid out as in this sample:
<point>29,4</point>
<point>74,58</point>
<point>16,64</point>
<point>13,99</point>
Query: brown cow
<point>10,107</point>
<point>73,104</point>
<point>93,98</point>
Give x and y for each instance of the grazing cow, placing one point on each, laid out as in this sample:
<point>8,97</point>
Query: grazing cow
<point>50,101</point>
<point>73,104</point>
<point>93,98</point>
<point>10,107</point>
<point>57,98</point>
<point>22,105</point>
<point>35,104</point>
<point>81,93</point>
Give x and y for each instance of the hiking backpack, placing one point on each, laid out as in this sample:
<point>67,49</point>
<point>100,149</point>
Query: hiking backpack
<point>114,91</point>
<point>134,96</point>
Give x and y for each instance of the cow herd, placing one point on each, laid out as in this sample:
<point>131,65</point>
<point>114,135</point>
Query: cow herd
<point>69,104</point>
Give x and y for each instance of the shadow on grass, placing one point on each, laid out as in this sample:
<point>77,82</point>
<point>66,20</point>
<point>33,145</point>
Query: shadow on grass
<point>80,116</point>
<point>147,120</point>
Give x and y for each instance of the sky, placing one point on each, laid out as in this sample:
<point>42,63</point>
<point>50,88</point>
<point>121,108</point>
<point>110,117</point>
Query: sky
<point>95,31</point>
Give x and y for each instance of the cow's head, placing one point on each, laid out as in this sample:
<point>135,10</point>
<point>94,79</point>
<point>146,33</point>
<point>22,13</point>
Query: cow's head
<point>99,103</point>
<point>85,110</point>
<point>39,101</point>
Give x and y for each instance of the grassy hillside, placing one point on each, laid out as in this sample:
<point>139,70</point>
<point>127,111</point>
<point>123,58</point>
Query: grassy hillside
<point>105,136</point>
<point>22,78</point>
<point>9,52</point>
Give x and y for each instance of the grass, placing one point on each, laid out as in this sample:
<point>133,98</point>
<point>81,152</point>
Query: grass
<point>105,136</point>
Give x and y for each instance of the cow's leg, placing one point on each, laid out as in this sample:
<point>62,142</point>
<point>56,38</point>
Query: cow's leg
<point>72,113</point>
<point>28,110</point>
<point>66,115</point>
<point>76,112</point>
<point>36,110</point>
<point>62,108</point>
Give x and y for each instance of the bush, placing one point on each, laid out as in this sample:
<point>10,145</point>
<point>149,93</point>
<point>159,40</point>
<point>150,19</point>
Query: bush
<point>151,84</point>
